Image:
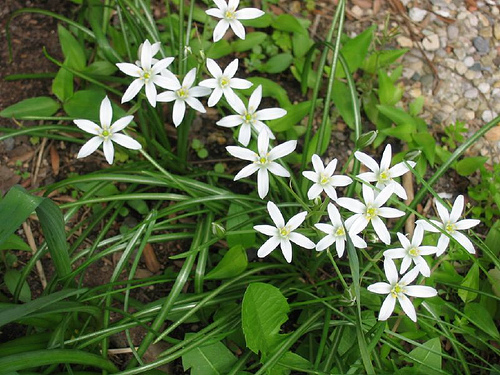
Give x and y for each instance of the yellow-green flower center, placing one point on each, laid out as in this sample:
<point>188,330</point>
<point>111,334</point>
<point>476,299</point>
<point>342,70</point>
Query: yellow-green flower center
<point>284,232</point>
<point>182,93</point>
<point>340,232</point>
<point>450,227</point>
<point>384,176</point>
<point>414,252</point>
<point>224,82</point>
<point>105,133</point>
<point>263,160</point>
<point>396,290</point>
<point>324,179</point>
<point>229,14</point>
<point>371,212</point>
<point>248,117</point>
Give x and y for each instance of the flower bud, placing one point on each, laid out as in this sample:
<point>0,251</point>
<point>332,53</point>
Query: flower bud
<point>218,230</point>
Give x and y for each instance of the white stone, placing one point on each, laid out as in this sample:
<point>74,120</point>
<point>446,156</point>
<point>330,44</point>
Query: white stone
<point>471,93</point>
<point>404,41</point>
<point>496,92</point>
<point>460,53</point>
<point>431,43</point>
<point>469,115</point>
<point>357,11</point>
<point>460,68</point>
<point>488,115</point>
<point>417,14</point>
<point>484,87</point>
<point>469,61</point>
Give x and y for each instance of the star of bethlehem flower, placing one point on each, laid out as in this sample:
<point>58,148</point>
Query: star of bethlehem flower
<point>399,290</point>
<point>263,161</point>
<point>223,83</point>
<point>412,252</point>
<point>146,74</point>
<point>323,178</point>
<point>182,94</point>
<point>106,133</point>
<point>282,234</point>
<point>337,233</point>
<point>449,224</point>
<point>371,211</point>
<point>230,17</point>
<point>249,117</point>
<point>383,174</point>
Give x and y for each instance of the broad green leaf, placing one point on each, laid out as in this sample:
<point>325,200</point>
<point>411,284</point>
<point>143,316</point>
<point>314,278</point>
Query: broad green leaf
<point>139,205</point>
<point>277,63</point>
<point>341,97</point>
<point>403,132</point>
<point>294,115</point>
<point>493,238</point>
<point>417,105</point>
<point>314,141</point>
<point>469,165</point>
<point>72,50</point>
<point>480,317</point>
<point>294,360</point>
<point>428,355</point>
<point>388,92</point>
<point>260,22</point>
<point>397,115</point>
<point>355,51</point>
<point>381,59</point>
<point>62,85</point>
<point>366,139</point>
<point>494,280</point>
<point>11,279</point>
<point>219,49</point>
<point>287,22</point>
<point>100,68</point>
<point>251,40</point>
<point>85,104</point>
<point>211,359</point>
<point>264,310</point>
<point>470,281</point>
<point>301,44</point>
<point>233,263</point>
<point>247,239</point>
<point>427,144</point>
<point>15,243</point>
<point>41,106</point>
<point>271,89</point>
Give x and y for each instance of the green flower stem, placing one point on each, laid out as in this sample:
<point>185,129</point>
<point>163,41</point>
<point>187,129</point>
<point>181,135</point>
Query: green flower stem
<point>188,32</point>
<point>334,264</point>
<point>180,53</point>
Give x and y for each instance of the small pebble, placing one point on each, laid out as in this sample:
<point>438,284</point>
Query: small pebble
<point>496,30</point>
<point>417,14</point>
<point>460,53</point>
<point>476,67</point>
<point>460,67</point>
<point>404,41</point>
<point>481,44</point>
<point>357,11</point>
<point>484,87</point>
<point>469,61</point>
<point>471,93</point>
<point>488,115</point>
<point>453,32</point>
<point>431,43</point>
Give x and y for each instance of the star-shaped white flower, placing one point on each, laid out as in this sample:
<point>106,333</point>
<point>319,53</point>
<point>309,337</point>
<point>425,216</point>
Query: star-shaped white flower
<point>399,290</point>
<point>282,233</point>
<point>250,117</point>
<point>412,252</point>
<point>449,223</point>
<point>146,74</point>
<point>337,233</point>
<point>371,211</point>
<point>263,161</point>
<point>223,83</point>
<point>383,174</point>
<point>107,133</point>
<point>323,178</point>
<point>230,17</point>
<point>183,94</point>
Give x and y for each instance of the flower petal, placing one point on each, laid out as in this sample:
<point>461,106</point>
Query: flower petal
<point>195,104</point>
<point>132,90</point>
<point>246,171</point>
<point>310,175</point>
<point>385,162</point>
<point>230,121</point>
<point>314,191</point>
<point>215,97</point>
<point>442,244</point>
<point>245,134</point>
<point>242,153</point>
<point>146,56</point>
<point>334,214</point>
<point>388,212</point>
<point>404,241</point>
<point>357,241</point>
<point>126,141</point>
<point>162,64</point>
<point>262,182</point>
<point>423,266</point>
<point>458,207</point>
<point>278,170</point>
<point>330,191</point>
<point>391,273</point>
<point>296,220</point>
<point>255,98</point>
<point>340,246</point>
<point>351,204</point>
<point>442,212</point>
<point>248,13</point>
<point>464,241</point>
<point>420,291</point>
<point>405,264</point>
<point>89,147</point>
<point>325,242</point>
<point>263,143</point>
<point>88,126</point>
<point>381,230</point>
<point>368,194</point>
<point>189,78</point>
<point>399,190</point>
<point>215,13</point>
<point>240,84</point>
<point>231,69</point>
<point>317,164</point>
<point>367,160</point>
<point>330,169</point>
<point>270,114</point>
<point>380,288</point>
<point>400,169</point>
<point>166,96</point>
<point>302,241</point>
<point>467,223</point>
<point>211,83</point>
<point>387,308</point>
<point>268,247</point>
<point>339,180</point>
<point>121,124</point>
<point>151,93</point>
<point>167,80</point>
<point>213,68</point>
<point>418,236</point>
<point>109,151</point>
<point>410,276</point>
<point>384,196</point>
<point>282,149</point>
<point>367,176</point>
<point>130,69</point>
<point>395,253</point>
<point>407,307</point>
<point>178,112</point>
<point>275,214</point>
<point>238,28</point>
<point>268,230</point>
<point>325,228</point>
<point>286,249</point>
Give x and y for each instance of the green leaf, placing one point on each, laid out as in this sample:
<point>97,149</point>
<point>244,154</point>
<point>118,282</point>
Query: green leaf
<point>15,243</point>
<point>494,280</point>
<point>100,68</point>
<point>467,166</point>
<point>397,115</point>
<point>41,106</point>
<point>417,105</point>
<point>294,115</point>
<point>62,85</point>
<point>471,280</point>
<point>269,88</point>
<point>341,97</point>
<point>212,359</point>
<point>219,49</point>
<point>264,310</point>
<point>11,279</point>
<point>314,142</point>
<point>301,44</point>
<point>260,22</point>
<point>493,239</point>
<point>366,139</point>
<point>72,50</point>
<point>85,104</point>
<point>139,205</point>
<point>251,40</point>
<point>428,355</point>
<point>233,263</point>
<point>427,144</point>
<point>403,132</point>
<point>381,59</point>
<point>287,22</point>
<point>277,63</point>
<point>480,317</point>
<point>355,51</point>
<point>244,239</point>
<point>388,92</point>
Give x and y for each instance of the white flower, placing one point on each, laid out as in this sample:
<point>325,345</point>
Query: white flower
<point>250,117</point>
<point>230,16</point>
<point>107,133</point>
<point>263,161</point>
<point>412,252</point>
<point>371,211</point>
<point>398,290</point>
<point>183,94</point>
<point>383,174</point>
<point>450,224</point>
<point>337,233</point>
<point>282,234</point>
<point>223,83</point>
<point>324,179</point>
<point>146,74</point>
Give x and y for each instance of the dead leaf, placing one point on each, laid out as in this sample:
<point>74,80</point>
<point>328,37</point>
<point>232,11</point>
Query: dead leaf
<point>376,6</point>
<point>54,160</point>
<point>150,258</point>
<point>493,135</point>
<point>7,179</point>
<point>365,4</point>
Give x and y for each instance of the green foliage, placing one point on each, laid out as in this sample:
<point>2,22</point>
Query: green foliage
<point>233,263</point>
<point>41,106</point>
<point>428,357</point>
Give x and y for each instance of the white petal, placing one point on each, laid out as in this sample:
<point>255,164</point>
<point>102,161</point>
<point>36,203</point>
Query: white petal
<point>356,223</point>
<point>380,288</point>
<point>220,29</point>
<point>310,175</point>
<point>215,13</point>
<point>121,124</point>
<point>231,69</point>
<point>325,242</point>
<point>407,307</point>
<point>391,273</point>
<point>237,104</point>
<point>442,244</point>
<point>428,250</point>
<point>268,246</point>
<point>367,160</point>
<point>340,180</point>
<point>233,4</point>
<point>248,13</point>
<point>238,28</point>
<point>351,204</point>
<point>381,230</point>
<point>215,97</point>
<point>221,4</point>
<point>423,266</point>
<point>325,228</point>
<point>302,240</point>
<point>420,291</point>
<point>296,220</point>
<point>241,153</point>
<point>240,84</point>
<point>189,78</point>
<point>270,114</point>
<point>230,121</point>
<point>368,194</point>
<point>443,212</point>
<point>398,170</point>
<point>405,264</point>
<point>278,170</point>
<point>89,147</point>
<point>161,65</point>
<point>88,126</point>
<point>268,230</point>
<point>132,90</point>
<point>428,226</point>
<point>395,253</point>
<point>387,308</point>
<point>388,212</point>
<point>263,143</point>
<point>340,246</point>
<point>166,96</point>
<point>464,241</point>
<point>255,98</point>
<point>383,196</point>
<point>334,214</point>
<point>151,93</point>
<point>404,241</point>
<point>246,171</point>
<point>155,48</point>
<point>399,190</point>
<point>367,176</point>
<point>213,68</point>
<point>467,224</point>
<point>275,214</point>
<point>245,135</point>
<point>458,207</point>
<point>262,183</point>
<point>210,83</point>
<point>286,249</point>
<point>357,241</point>
<point>166,80</point>
<point>126,141</point>
<point>317,164</point>
<point>410,276</point>
<point>330,191</point>
<point>385,162</point>
<point>195,104</point>
<point>178,112</point>
<point>130,69</point>
<point>146,55</point>
<point>314,191</point>
<point>282,150</point>
<point>418,236</point>
<point>109,151</point>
